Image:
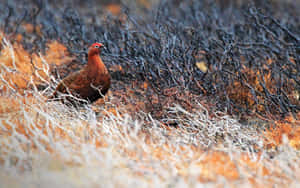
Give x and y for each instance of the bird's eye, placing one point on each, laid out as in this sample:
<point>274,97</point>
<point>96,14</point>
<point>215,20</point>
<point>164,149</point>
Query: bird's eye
<point>96,46</point>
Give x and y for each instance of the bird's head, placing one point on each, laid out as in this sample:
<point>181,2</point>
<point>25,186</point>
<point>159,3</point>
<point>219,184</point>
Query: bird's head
<point>95,49</point>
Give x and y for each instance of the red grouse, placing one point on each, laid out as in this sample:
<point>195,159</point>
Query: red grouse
<point>90,83</point>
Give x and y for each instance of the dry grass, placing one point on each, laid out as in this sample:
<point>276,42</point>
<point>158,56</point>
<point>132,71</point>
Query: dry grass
<point>48,144</point>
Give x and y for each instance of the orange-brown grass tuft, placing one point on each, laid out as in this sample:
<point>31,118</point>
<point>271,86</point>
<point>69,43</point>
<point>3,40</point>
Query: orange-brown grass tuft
<point>20,70</point>
<point>289,128</point>
<point>255,84</point>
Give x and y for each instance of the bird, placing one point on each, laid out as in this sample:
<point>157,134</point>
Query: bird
<point>88,84</point>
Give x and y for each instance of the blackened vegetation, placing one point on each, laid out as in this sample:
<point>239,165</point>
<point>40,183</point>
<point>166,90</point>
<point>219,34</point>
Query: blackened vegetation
<point>251,49</point>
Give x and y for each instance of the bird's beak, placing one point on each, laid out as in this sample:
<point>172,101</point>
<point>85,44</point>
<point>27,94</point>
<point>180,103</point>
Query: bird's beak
<point>103,47</point>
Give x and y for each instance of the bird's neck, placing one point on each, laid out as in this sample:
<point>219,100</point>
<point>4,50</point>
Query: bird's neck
<point>96,65</point>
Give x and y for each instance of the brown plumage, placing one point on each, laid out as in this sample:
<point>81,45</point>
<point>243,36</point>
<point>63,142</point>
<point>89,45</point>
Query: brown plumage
<point>90,83</point>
